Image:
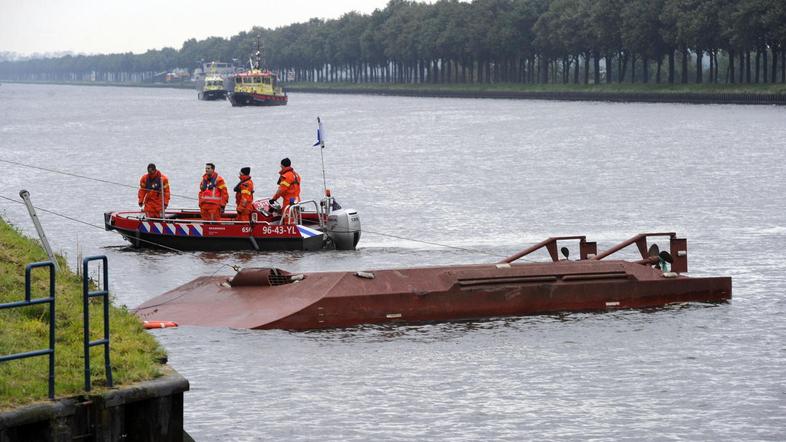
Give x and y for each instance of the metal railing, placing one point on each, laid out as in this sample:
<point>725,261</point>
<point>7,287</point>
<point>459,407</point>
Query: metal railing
<point>27,302</point>
<point>294,213</point>
<point>86,295</point>
<point>586,248</point>
<point>678,250</point>
<point>173,220</point>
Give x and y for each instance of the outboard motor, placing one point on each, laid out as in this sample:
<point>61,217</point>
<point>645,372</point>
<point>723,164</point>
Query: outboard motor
<point>343,228</point>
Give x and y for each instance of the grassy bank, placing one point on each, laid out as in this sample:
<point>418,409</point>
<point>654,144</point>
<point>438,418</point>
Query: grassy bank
<point>614,88</point>
<point>135,354</point>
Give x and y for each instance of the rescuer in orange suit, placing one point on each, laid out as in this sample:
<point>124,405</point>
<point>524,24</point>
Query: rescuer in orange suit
<point>151,187</point>
<point>288,186</point>
<point>213,195</point>
<point>244,195</point>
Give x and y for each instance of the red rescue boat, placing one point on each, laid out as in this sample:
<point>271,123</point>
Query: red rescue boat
<point>269,298</point>
<point>308,225</point>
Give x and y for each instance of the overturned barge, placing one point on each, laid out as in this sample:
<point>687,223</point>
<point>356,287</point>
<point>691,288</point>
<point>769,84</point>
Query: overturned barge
<point>269,298</point>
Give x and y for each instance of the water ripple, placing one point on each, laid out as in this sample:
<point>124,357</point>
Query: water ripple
<point>486,176</point>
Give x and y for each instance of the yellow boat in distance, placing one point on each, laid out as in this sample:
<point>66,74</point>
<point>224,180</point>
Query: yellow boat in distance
<point>212,86</point>
<point>256,86</point>
<point>213,89</point>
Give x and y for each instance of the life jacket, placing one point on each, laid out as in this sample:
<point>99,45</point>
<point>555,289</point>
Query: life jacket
<point>288,185</point>
<point>244,192</point>
<point>150,187</point>
<point>213,190</point>
<point>153,182</point>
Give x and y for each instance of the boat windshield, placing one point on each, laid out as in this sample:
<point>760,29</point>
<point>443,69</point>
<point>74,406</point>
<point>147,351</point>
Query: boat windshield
<point>256,79</point>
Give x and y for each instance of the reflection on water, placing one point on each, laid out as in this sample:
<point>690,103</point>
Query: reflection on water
<point>485,177</point>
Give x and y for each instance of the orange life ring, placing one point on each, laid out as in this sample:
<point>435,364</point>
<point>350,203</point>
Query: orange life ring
<point>158,324</point>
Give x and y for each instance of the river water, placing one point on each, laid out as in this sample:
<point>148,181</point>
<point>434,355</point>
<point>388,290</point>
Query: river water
<point>485,178</point>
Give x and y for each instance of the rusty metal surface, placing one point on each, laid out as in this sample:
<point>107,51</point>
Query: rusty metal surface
<point>211,301</point>
<point>338,299</point>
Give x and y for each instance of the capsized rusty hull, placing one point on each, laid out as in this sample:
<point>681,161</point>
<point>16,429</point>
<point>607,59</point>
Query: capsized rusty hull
<point>274,299</point>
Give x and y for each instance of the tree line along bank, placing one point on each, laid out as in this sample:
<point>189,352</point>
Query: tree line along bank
<point>485,41</point>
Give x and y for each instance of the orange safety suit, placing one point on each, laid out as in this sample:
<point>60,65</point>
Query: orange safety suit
<point>213,196</point>
<point>244,198</point>
<point>288,188</point>
<point>151,186</point>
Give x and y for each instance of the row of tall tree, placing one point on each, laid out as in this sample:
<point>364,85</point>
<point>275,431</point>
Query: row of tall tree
<point>484,41</point>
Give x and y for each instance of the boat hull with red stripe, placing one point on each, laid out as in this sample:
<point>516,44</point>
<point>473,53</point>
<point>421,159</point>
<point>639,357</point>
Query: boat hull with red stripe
<point>185,231</point>
<point>253,99</point>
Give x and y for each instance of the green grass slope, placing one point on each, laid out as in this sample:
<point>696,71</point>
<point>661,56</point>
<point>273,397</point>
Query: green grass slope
<point>135,354</point>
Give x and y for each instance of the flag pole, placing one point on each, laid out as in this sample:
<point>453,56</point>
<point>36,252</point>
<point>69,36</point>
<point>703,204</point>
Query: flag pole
<point>321,140</point>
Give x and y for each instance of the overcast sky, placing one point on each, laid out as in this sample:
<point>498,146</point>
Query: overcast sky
<point>108,26</point>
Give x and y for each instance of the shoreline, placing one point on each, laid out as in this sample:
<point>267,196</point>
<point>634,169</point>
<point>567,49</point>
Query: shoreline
<point>136,355</point>
<point>106,84</point>
<point>620,93</point>
<point>146,395</point>
<point>601,96</point>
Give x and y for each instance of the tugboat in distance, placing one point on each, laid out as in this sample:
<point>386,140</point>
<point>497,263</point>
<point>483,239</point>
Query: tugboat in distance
<point>257,86</point>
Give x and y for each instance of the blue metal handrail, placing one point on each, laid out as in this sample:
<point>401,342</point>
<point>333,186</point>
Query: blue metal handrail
<point>51,301</point>
<point>86,295</point>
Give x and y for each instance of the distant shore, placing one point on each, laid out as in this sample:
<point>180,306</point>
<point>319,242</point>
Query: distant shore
<point>178,85</point>
<point>772,94</point>
<point>648,93</point>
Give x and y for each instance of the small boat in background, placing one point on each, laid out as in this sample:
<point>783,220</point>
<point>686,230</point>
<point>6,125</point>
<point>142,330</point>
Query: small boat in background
<point>213,89</point>
<point>212,86</point>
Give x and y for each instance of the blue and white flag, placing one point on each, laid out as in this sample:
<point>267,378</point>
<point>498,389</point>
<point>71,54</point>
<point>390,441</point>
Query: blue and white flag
<point>320,134</point>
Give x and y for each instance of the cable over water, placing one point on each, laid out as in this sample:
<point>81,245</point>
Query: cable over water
<point>85,177</point>
<point>172,249</point>
<point>82,222</point>
<point>17,163</point>
<point>464,249</point>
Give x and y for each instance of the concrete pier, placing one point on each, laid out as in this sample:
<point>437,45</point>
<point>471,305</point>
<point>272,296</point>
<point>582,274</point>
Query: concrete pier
<point>151,410</point>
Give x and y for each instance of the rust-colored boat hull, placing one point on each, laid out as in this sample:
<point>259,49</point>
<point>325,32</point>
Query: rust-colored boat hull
<point>267,299</point>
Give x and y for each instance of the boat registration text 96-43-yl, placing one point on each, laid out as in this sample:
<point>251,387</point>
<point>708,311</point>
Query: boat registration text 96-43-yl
<point>287,229</point>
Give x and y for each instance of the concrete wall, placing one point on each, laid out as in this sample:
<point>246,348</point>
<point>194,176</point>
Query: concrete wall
<point>147,411</point>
